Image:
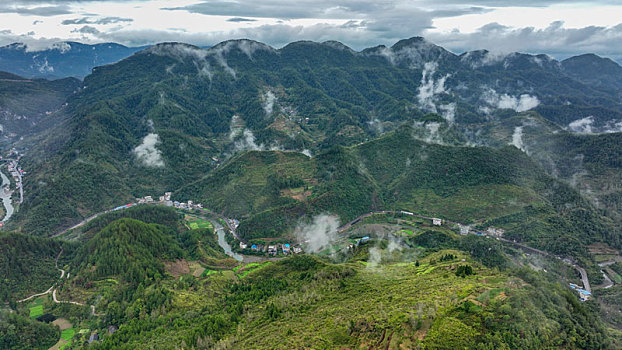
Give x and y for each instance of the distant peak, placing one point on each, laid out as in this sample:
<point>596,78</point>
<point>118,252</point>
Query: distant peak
<point>337,45</point>
<point>247,46</point>
<point>15,46</point>
<point>414,41</point>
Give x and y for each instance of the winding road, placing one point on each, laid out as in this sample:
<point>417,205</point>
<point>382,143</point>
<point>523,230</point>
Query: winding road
<point>582,272</point>
<point>53,290</point>
<point>62,274</point>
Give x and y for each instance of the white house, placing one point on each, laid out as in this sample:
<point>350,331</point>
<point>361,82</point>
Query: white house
<point>437,222</point>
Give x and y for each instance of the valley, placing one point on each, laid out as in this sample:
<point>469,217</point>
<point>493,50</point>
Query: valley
<point>311,196</point>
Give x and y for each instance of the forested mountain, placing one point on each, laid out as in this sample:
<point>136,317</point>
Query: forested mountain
<point>270,191</point>
<point>294,142</point>
<point>139,285</point>
<point>27,106</point>
<point>61,60</point>
<point>154,121</point>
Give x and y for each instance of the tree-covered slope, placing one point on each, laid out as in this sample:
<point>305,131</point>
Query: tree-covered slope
<point>169,114</point>
<point>432,290</point>
<point>270,191</point>
<point>61,60</point>
<point>26,105</point>
<point>28,264</point>
<point>128,248</point>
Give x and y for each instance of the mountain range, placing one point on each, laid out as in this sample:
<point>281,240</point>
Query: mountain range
<point>346,153</point>
<point>154,121</point>
<point>61,60</point>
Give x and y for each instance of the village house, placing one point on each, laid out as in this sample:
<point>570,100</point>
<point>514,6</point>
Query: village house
<point>243,245</point>
<point>497,232</point>
<point>272,249</point>
<point>297,250</point>
<point>464,230</point>
<point>285,248</point>
<point>437,222</point>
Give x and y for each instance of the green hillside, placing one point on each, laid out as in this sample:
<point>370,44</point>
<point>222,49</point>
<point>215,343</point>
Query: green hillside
<point>26,105</point>
<point>168,115</point>
<point>164,284</point>
<point>128,248</point>
<point>27,264</point>
<point>398,171</point>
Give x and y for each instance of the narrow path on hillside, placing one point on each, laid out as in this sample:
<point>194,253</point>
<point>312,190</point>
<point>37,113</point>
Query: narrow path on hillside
<point>53,289</point>
<point>608,282</point>
<point>62,274</point>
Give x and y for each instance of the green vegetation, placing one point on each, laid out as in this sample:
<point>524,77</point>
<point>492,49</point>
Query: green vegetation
<point>166,282</point>
<point>196,223</point>
<point>27,264</point>
<point>325,96</point>
<point>36,311</point>
<point>501,187</point>
<point>128,248</point>
<point>67,334</point>
<point>431,295</point>
<point>151,214</point>
<point>22,333</point>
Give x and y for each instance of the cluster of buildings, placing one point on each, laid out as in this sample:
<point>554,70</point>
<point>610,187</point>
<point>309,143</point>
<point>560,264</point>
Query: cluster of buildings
<point>16,172</point>
<point>166,200</point>
<point>491,231</point>
<point>357,242</point>
<point>495,232</point>
<point>273,249</point>
<point>584,295</point>
<point>233,223</point>
<point>188,205</point>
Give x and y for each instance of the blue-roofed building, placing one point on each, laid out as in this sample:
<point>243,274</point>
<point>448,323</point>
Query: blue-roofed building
<point>364,239</point>
<point>254,247</point>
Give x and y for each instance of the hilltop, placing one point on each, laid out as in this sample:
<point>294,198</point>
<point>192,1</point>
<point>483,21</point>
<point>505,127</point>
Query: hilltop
<point>167,115</point>
<point>131,281</point>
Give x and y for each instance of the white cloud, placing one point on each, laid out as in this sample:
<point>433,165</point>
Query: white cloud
<point>318,234</point>
<point>448,112</point>
<point>454,24</point>
<point>520,103</point>
<point>147,153</point>
<point>268,104</point>
<point>430,87</point>
<point>517,139</point>
<point>583,125</point>
<point>247,142</point>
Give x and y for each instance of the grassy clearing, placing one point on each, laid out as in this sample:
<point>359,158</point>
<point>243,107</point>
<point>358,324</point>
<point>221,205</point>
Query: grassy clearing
<point>197,223</point>
<point>207,272</point>
<point>243,270</point>
<point>407,232</point>
<point>67,334</point>
<point>36,311</point>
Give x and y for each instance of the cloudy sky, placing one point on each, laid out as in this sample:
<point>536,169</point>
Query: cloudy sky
<point>558,27</point>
